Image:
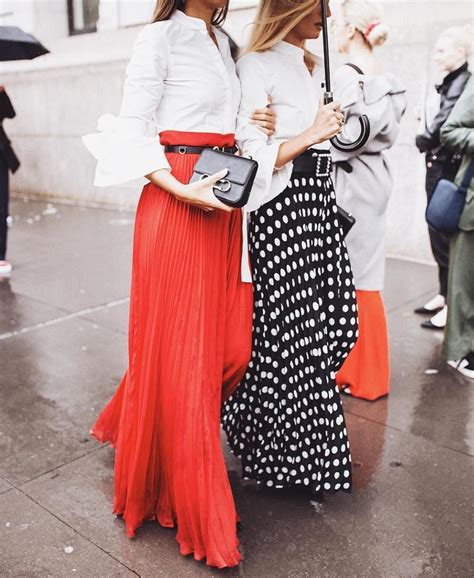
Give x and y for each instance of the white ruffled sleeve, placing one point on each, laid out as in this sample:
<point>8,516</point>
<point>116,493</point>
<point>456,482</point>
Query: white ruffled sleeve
<point>126,147</point>
<point>269,181</point>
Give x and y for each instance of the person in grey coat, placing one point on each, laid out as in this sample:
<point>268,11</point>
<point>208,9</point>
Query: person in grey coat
<point>457,134</point>
<point>363,183</point>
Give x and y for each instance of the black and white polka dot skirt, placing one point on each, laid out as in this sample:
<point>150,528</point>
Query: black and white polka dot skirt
<point>285,420</point>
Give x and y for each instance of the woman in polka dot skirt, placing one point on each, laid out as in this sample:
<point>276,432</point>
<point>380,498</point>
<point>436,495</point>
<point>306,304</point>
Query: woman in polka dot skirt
<point>285,421</point>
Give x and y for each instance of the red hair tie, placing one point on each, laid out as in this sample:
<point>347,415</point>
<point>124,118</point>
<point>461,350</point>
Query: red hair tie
<point>370,27</point>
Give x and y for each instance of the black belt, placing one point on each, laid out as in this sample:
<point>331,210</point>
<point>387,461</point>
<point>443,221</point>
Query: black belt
<point>314,163</point>
<point>192,150</point>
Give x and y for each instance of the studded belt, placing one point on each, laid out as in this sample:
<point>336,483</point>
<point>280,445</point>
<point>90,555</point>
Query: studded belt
<point>311,162</point>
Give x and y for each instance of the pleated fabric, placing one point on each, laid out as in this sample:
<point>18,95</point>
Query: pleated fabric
<point>189,345</point>
<point>366,371</point>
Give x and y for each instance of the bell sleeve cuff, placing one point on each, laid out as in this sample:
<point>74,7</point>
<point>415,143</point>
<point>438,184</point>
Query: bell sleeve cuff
<point>270,181</point>
<point>123,151</point>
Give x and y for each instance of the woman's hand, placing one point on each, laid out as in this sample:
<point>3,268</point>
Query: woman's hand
<point>328,123</point>
<point>265,119</point>
<point>200,194</point>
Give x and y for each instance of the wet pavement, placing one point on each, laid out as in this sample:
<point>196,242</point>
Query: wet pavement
<point>63,349</point>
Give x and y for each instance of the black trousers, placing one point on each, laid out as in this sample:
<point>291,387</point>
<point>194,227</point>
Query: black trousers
<point>435,170</point>
<point>3,207</point>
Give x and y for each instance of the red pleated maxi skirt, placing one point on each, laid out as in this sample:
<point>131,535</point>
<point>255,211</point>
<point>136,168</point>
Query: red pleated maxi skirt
<point>189,345</point>
<point>366,371</point>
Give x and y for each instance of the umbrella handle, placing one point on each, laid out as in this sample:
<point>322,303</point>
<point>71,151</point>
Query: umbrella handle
<point>346,146</point>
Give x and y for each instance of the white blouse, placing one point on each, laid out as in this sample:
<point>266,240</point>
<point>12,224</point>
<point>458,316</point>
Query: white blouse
<point>177,79</point>
<point>282,74</point>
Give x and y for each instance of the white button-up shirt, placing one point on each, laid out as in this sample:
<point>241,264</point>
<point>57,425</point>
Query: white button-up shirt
<point>177,79</point>
<point>282,74</point>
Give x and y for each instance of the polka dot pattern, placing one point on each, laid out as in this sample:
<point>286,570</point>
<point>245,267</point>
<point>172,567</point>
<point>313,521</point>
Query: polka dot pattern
<point>285,420</point>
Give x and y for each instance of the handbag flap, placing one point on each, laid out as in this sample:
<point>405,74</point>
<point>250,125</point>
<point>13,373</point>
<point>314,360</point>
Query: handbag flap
<point>240,169</point>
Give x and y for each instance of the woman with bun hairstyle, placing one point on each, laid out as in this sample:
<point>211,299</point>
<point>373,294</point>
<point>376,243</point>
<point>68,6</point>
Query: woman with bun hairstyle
<point>285,420</point>
<point>190,313</point>
<point>363,183</point>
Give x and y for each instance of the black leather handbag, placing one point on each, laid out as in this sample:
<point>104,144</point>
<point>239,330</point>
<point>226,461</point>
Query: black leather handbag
<point>234,189</point>
<point>346,220</point>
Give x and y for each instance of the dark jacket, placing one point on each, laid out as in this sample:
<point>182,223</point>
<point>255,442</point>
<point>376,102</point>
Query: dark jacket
<point>458,134</point>
<point>6,149</point>
<point>450,90</point>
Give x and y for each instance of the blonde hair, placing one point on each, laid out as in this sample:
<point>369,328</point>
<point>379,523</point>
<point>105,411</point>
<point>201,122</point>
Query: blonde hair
<point>275,20</point>
<point>366,17</point>
<point>461,37</point>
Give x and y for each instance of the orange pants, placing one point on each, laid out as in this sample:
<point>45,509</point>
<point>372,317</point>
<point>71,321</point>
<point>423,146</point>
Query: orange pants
<point>366,371</point>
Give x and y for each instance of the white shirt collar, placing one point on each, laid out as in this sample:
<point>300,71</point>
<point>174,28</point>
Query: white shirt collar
<point>289,49</point>
<point>295,53</point>
<point>189,21</point>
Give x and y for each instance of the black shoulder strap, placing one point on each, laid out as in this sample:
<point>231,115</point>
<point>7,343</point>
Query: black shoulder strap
<point>468,175</point>
<point>355,67</point>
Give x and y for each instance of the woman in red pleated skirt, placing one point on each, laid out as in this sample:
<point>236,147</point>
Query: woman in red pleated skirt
<point>190,314</point>
<point>189,345</point>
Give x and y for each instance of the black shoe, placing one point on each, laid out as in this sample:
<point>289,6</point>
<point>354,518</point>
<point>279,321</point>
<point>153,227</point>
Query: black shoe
<point>424,311</point>
<point>429,325</point>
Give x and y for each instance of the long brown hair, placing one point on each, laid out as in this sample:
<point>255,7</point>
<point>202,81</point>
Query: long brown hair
<point>275,19</point>
<point>164,9</point>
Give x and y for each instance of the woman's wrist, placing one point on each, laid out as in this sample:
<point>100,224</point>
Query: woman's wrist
<point>166,181</point>
<point>311,137</point>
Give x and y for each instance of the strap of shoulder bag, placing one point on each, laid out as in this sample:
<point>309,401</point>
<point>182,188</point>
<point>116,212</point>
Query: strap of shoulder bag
<point>467,176</point>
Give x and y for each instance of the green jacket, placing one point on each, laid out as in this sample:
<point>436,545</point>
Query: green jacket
<point>457,133</point>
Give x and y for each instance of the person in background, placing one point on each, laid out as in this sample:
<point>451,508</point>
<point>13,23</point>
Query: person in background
<point>451,53</point>
<point>8,162</point>
<point>364,183</point>
<point>457,134</point>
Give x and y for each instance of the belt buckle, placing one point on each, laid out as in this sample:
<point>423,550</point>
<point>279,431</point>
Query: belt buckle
<point>219,149</point>
<point>182,150</point>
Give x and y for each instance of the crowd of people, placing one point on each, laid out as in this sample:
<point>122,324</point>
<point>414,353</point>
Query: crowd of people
<point>258,318</point>
<point>447,139</point>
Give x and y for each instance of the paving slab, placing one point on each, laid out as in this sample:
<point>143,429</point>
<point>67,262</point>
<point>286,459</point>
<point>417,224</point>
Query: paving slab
<point>427,397</point>
<point>81,494</point>
<point>54,383</point>
<point>114,317</point>
<point>19,312</point>
<point>4,486</point>
<point>407,516</point>
<point>81,255</point>
<point>408,283</point>
<point>35,543</point>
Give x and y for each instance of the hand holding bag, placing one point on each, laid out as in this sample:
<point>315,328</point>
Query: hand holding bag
<point>446,205</point>
<point>234,189</point>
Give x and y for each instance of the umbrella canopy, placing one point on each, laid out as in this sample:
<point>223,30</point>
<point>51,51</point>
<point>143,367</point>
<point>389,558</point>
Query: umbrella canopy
<point>15,44</point>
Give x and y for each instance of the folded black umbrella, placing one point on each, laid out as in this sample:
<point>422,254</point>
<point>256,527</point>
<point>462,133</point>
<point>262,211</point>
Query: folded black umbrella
<point>15,44</point>
<point>337,142</point>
